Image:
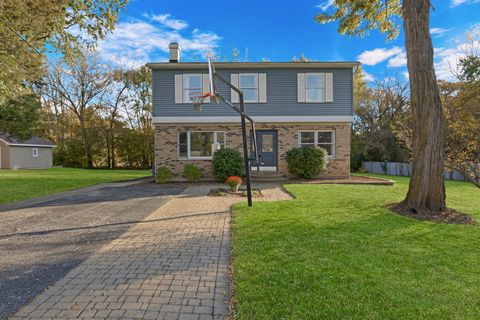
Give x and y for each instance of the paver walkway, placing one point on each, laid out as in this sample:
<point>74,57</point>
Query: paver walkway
<point>173,265</point>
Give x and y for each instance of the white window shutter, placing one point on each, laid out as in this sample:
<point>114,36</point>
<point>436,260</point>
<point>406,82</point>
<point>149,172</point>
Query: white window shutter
<point>301,87</point>
<point>234,81</point>
<point>262,87</point>
<point>178,88</point>
<point>206,86</point>
<point>328,87</point>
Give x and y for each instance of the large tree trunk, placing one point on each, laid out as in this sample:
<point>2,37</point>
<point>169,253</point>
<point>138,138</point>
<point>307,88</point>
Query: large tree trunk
<point>426,191</point>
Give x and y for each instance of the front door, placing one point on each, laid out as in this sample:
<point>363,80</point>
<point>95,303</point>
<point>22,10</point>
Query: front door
<point>267,149</point>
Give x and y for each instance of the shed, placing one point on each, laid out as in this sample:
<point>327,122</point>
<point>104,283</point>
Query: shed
<point>33,153</point>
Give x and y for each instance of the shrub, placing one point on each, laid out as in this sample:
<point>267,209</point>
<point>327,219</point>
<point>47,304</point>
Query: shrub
<point>192,173</point>
<point>362,170</point>
<point>227,162</point>
<point>234,182</point>
<point>306,162</point>
<point>164,174</point>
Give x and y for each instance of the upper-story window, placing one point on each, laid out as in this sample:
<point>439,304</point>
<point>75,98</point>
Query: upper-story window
<point>314,87</point>
<point>248,83</point>
<point>191,83</point>
<point>253,86</point>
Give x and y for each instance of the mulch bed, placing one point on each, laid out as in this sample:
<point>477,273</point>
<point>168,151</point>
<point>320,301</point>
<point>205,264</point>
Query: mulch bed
<point>352,180</point>
<point>449,216</point>
<point>222,192</point>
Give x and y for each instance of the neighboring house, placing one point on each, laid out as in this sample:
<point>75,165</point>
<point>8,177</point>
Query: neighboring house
<point>293,104</point>
<point>28,154</point>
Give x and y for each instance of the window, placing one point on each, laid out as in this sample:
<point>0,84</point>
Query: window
<point>315,87</point>
<point>199,144</point>
<point>34,152</point>
<point>191,83</point>
<point>248,83</point>
<point>323,139</point>
<point>267,143</point>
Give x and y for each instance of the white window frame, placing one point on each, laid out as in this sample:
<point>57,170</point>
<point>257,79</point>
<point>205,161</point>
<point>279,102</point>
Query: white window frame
<point>184,88</point>
<point>316,144</point>
<point>189,157</point>
<point>240,75</point>
<point>35,152</point>
<point>322,96</point>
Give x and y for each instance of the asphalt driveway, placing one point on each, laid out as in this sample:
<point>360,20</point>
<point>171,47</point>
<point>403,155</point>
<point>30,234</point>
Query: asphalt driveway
<point>40,244</point>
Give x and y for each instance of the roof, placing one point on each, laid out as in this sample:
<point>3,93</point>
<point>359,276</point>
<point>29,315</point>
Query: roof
<point>32,142</point>
<point>254,65</point>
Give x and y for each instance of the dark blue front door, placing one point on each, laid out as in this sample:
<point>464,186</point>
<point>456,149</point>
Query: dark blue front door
<point>267,148</point>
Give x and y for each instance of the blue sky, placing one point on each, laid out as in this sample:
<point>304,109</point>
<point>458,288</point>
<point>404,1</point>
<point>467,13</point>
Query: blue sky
<point>277,31</point>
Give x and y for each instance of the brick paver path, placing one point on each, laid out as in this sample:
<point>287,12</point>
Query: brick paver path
<point>173,265</point>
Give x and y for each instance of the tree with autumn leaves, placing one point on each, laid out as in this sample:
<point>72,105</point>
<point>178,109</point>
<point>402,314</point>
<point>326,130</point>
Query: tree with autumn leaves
<point>426,190</point>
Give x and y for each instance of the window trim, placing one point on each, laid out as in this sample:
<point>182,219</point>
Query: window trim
<point>189,132</point>
<point>323,97</point>
<point>35,152</point>
<point>257,88</point>
<point>333,143</point>
<point>183,84</point>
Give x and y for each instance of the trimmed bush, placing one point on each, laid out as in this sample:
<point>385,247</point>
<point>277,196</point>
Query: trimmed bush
<point>227,162</point>
<point>306,162</point>
<point>164,175</point>
<point>192,173</point>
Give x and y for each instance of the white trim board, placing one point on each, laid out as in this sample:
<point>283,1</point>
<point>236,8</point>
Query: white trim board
<point>285,119</point>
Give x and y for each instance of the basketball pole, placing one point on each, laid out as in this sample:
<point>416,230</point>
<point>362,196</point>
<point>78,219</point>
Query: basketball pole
<point>243,118</point>
<point>245,150</point>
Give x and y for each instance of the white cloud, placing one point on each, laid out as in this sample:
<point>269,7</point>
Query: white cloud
<point>165,20</point>
<point>136,42</point>
<point>324,6</point>
<point>399,60</point>
<point>455,3</point>
<point>447,59</point>
<point>376,56</point>
<point>368,77</point>
<point>438,32</point>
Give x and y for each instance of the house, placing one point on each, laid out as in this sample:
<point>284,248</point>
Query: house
<point>293,104</point>
<point>28,154</point>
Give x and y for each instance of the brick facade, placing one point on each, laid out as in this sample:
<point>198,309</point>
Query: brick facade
<point>166,140</point>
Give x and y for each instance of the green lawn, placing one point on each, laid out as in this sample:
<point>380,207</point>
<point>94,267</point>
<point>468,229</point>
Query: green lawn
<point>18,185</point>
<point>335,252</point>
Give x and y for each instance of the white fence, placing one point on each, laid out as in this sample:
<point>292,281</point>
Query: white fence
<point>403,169</point>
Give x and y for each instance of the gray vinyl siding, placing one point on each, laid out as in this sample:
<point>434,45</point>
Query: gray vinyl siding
<point>21,158</point>
<point>281,95</point>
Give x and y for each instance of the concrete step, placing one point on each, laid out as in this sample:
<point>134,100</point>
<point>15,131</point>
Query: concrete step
<point>267,176</point>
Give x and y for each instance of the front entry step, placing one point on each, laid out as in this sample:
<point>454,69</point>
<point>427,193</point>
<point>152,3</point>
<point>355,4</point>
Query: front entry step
<point>267,176</point>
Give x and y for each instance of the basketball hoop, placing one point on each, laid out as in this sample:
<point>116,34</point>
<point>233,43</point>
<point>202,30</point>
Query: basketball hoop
<point>198,98</point>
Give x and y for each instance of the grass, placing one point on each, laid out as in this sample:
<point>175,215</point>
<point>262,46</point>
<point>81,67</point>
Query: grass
<point>335,252</point>
<point>16,185</point>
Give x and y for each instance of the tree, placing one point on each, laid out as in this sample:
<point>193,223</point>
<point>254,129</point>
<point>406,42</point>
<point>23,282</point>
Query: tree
<point>426,191</point>
<point>377,109</point>
<point>18,115</point>
<point>138,112</point>
<point>80,88</point>
<point>121,81</point>
<point>27,28</point>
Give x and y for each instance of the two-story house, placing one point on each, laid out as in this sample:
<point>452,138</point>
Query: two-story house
<point>293,104</point>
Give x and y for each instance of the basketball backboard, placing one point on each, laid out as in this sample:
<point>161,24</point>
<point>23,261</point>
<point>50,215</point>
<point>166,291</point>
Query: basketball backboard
<point>212,82</point>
